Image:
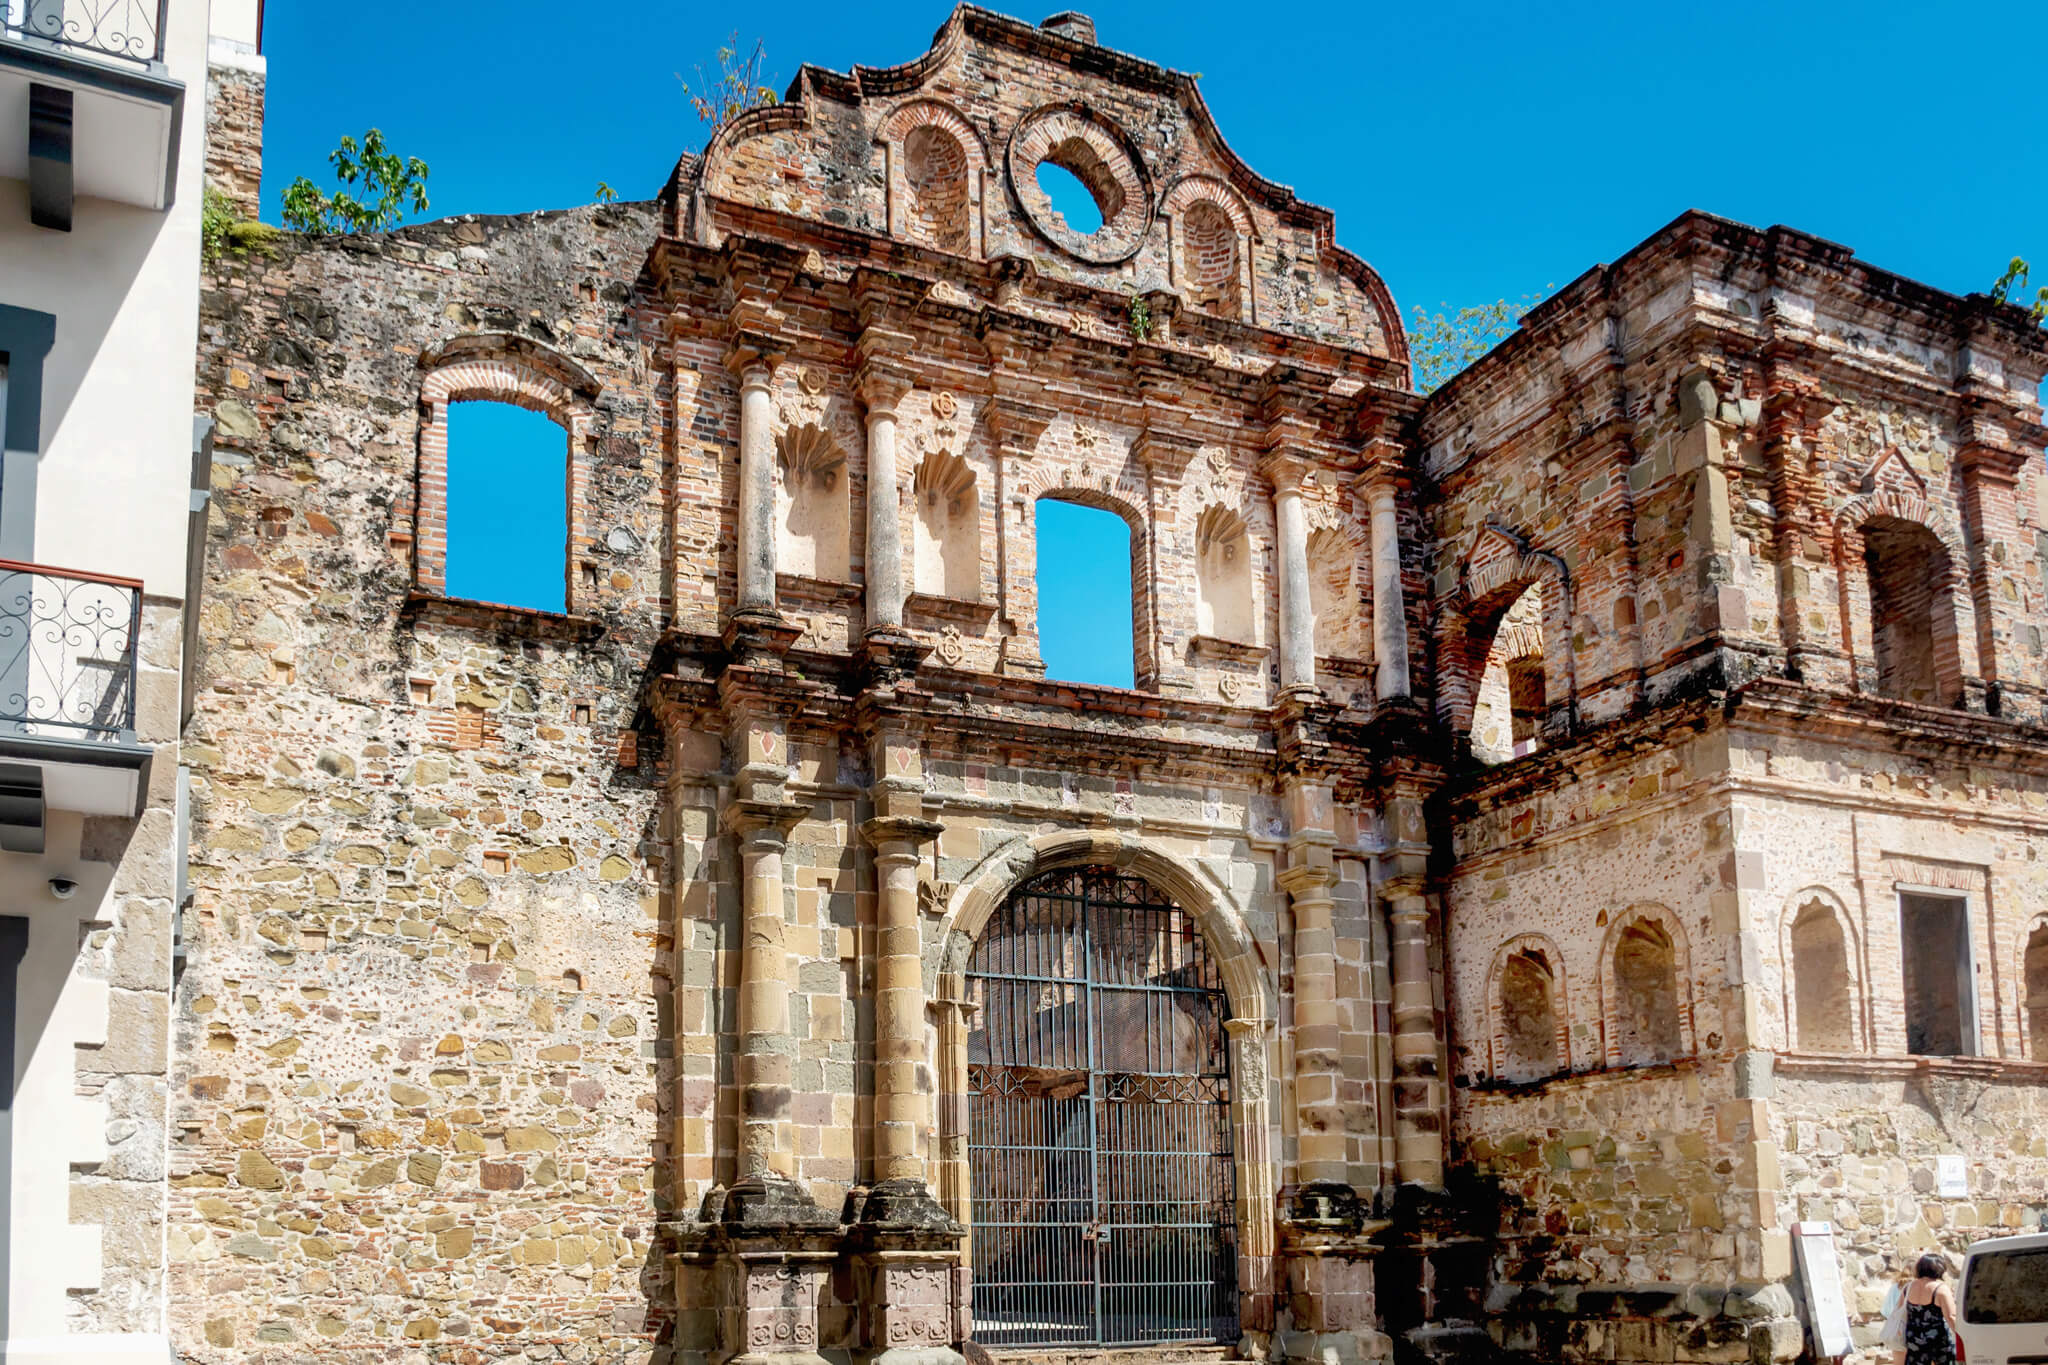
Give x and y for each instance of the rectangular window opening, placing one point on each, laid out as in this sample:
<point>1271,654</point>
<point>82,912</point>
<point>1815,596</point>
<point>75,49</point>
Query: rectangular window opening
<point>1934,944</point>
<point>1085,602</point>
<point>508,506</point>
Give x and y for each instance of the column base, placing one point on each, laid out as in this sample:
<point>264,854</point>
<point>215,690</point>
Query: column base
<point>1330,1311</point>
<point>912,1286</point>
<point>757,637</point>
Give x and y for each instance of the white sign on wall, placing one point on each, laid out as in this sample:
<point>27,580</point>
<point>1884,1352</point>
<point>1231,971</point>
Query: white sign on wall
<point>1951,1177</point>
<point>1820,1274</point>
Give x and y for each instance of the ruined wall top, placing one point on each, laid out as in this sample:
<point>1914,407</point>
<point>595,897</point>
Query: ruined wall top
<point>941,155</point>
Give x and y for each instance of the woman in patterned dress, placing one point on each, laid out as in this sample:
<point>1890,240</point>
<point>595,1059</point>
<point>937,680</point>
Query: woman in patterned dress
<point>1930,1314</point>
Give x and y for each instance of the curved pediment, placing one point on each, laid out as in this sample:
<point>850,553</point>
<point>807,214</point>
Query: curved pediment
<point>941,153</point>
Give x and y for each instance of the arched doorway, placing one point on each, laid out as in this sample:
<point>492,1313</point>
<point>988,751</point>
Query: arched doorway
<point>1100,1144</point>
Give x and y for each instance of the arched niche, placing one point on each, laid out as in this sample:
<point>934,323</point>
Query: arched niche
<point>812,510</point>
<point>946,528</point>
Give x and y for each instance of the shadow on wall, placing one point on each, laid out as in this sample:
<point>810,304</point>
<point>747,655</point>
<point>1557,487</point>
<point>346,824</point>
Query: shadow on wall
<point>104,252</point>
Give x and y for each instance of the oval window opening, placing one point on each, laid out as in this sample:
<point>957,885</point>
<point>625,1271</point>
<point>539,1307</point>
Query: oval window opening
<point>1071,198</point>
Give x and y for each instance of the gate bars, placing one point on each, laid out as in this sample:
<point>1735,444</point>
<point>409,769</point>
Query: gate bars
<point>1100,1136</point>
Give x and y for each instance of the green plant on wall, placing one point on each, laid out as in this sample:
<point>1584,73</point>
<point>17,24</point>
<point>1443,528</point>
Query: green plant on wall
<point>392,187</point>
<point>1141,318</point>
<point>223,231</point>
<point>2012,282</point>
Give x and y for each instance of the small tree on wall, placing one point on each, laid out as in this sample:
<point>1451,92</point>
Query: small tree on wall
<point>1440,346</point>
<point>392,187</point>
<point>733,86</point>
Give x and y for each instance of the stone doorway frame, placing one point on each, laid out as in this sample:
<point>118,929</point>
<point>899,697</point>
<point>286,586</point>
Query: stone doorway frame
<point>1253,1008</point>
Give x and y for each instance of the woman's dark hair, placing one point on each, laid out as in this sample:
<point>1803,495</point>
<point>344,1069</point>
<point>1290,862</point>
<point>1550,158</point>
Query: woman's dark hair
<point>1932,1266</point>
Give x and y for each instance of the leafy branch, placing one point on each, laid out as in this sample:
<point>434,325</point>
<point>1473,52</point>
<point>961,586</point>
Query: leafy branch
<point>1141,317</point>
<point>734,87</point>
<point>2012,282</point>
<point>392,187</point>
<point>1440,346</point>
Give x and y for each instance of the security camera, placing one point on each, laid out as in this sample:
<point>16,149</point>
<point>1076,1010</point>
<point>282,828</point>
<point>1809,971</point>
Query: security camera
<point>63,888</point>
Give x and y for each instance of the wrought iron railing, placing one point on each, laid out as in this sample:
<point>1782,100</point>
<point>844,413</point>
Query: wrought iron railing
<point>132,30</point>
<point>67,652</point>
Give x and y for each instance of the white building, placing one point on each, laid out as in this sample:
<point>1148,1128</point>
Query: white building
<point>102,498</point>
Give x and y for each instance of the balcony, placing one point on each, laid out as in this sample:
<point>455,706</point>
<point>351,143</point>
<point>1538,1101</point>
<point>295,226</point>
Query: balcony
<point>85,82</point>
<point>67,698</point>
<point>128,30</point>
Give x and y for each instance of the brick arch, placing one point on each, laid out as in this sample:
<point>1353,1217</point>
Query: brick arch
<point>1209,236</point>
<point>1501,566</point>
<point>1663,921</point>
<point>943,215</point>
<point>1838,911</point>
<point>926,112</point>
<point>1892,504</point>
<point>1190,190</point>
<point>497,368</point>
<point>1560,999</point>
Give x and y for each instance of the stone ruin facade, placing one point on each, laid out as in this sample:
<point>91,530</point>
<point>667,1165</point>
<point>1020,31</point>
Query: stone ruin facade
<point>1566,830</point>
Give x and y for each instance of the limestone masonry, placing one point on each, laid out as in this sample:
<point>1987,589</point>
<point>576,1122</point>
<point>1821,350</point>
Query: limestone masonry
<point>1567,829</point>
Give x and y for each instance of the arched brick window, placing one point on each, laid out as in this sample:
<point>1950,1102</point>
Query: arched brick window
<point>1912,612</point>
<point>1509,712</point>
<point>1644,989</point>
<point>500,368</point>
<point>1822,988</point>
<point>1210,246</point>
<point>935,170</point>
<point>936,163</point>
<point>1528,998</point>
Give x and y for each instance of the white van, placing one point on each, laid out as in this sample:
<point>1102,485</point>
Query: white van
<point>2004,1301</point>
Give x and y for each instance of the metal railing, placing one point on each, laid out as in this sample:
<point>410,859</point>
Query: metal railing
<point>132,30</point>
<point>67,653</point>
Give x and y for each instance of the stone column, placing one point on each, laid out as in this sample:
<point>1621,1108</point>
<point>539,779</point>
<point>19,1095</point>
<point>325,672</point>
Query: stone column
<point>911,1289</point>
<point>766,1052</point>
<point>1389,610</point>
<point>1308,880</point>
<point>1418,1124</point>
<point>902,1071</point>
<point>1297,625</point>
<point>757,482</point>
<point>885,516</point>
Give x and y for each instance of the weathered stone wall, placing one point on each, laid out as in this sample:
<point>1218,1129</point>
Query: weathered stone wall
<point>851,162</point>
<point>419,1086</point>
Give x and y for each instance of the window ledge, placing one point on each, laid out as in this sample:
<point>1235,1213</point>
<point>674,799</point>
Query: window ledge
<point>529,623</point>
<point>1867,1065</point>
<point>1226,651</point>
<point>817,592</point>
<point>957,609</point>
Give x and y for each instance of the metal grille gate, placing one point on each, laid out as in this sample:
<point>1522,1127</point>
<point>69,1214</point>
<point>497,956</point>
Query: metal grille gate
<point>1099,1145</point>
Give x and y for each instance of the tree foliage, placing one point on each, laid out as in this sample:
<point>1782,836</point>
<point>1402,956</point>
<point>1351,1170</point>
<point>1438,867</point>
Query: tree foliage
<point>392,186</point>
<point>1440,346</point>
<point>733,87</point>
<point>2010,285</point>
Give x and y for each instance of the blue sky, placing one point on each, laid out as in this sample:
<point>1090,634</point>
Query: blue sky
<point>1470,151</point>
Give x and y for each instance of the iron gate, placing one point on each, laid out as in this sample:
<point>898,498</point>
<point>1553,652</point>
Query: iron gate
<point>1099,1145</point>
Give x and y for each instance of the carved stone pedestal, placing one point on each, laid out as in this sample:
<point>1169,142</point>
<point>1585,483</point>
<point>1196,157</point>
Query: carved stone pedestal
<point>906,1253</point>
<point>1331,1314</point>
<point>770,1250</point>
